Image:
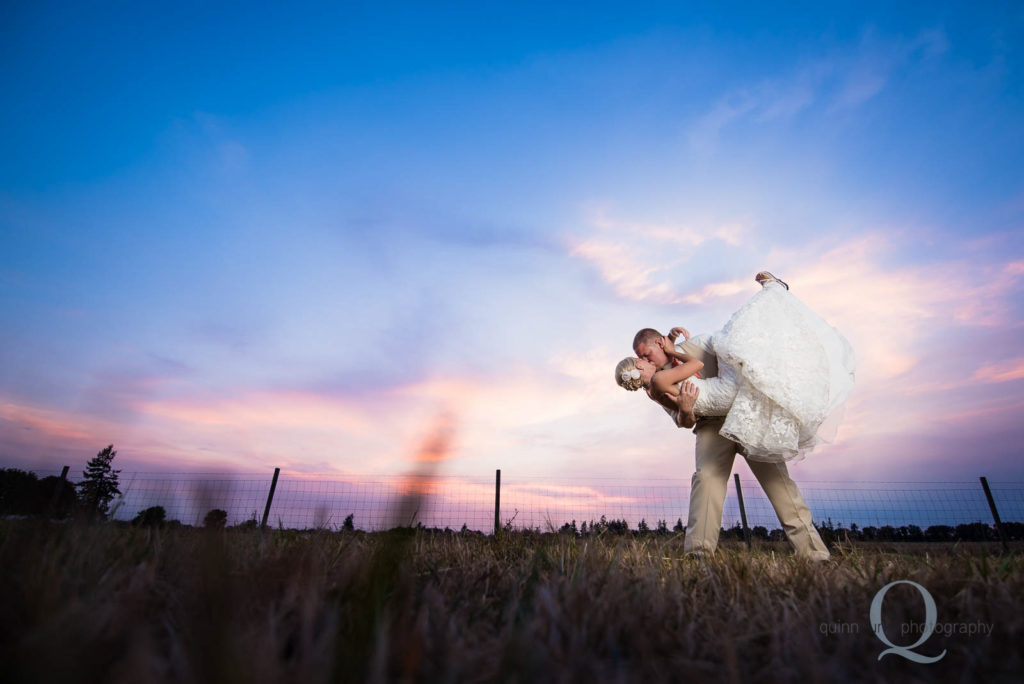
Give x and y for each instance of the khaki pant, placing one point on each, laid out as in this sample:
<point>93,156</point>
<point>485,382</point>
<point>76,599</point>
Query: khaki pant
<point>715,456</point>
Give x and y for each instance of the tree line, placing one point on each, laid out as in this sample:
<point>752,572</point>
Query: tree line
<point>23,493</point>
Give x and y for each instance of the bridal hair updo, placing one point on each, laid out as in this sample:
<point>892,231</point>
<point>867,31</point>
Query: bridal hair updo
<point>627,375</point>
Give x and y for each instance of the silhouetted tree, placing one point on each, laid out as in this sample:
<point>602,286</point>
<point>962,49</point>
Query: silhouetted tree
<point>349,525</point>
<point>976,531</point>
<point>939,533</point>
<point>99,483</point>
<point>17,491</point>
<point>618,526</point>
<point>678,526</point>
<point>759,532</point>
<point>215,519</point>
<point>151,517</point>
<point>1014,531</point>
<point>22,493</point>
<point>55,497</point>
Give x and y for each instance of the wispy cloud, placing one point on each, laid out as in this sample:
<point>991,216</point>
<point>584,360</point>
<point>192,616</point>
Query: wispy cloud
<point>643,262</point>
<point>834,81</point>
<point>1000,372</point>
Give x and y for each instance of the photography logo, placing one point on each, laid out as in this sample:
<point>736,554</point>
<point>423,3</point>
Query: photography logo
<point>930,615</point>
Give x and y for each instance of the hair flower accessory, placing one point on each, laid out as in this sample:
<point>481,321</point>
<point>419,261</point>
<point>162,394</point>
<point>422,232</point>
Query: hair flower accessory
<point>628,375</point>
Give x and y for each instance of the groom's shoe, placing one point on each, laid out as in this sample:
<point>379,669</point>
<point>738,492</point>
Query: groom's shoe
<point>764,277</point>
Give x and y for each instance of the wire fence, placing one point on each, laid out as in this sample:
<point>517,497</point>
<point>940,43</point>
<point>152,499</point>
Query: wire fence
<point>306,501</point>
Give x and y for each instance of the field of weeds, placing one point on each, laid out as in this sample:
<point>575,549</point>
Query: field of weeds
<point>112,603</point>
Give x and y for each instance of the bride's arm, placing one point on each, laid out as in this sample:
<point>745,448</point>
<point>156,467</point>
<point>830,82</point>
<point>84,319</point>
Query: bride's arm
<point>665,380</point>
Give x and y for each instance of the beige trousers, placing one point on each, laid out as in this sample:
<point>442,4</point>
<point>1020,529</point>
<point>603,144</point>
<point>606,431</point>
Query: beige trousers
<point>715,456</point>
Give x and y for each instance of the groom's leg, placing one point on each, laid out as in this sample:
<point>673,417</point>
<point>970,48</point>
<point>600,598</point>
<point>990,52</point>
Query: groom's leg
<point>715,455</point>
<point>789,505</point>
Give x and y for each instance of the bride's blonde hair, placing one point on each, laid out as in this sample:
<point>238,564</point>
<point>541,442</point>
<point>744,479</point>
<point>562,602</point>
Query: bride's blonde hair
<point>625,377</point>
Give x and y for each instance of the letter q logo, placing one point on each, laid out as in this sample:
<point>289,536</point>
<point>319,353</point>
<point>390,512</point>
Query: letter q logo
<point>930,614</point>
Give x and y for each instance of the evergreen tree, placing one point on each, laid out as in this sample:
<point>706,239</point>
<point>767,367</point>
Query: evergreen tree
<point>99,483</point>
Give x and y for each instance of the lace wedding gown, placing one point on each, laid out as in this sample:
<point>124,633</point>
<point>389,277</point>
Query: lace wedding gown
<point>783,374</point>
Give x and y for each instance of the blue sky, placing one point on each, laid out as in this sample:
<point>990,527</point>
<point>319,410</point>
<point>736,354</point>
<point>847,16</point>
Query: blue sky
<point>297,235</point>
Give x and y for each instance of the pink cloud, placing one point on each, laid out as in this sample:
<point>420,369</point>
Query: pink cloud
<point>1000,372</point>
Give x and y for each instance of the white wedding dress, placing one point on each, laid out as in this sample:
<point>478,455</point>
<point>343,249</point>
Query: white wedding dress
<point>783,374</point>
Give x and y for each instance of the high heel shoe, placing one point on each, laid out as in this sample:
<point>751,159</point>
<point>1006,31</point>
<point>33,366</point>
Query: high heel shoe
<point>765,276</point>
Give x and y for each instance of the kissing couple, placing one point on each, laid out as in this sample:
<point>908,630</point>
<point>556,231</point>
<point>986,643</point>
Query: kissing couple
<point>768,386</point>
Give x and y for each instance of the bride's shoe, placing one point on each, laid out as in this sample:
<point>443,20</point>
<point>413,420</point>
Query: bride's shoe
<point>765,277</point>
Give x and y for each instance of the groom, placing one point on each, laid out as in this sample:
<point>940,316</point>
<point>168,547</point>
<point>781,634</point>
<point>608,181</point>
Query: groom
<point>715,456</point>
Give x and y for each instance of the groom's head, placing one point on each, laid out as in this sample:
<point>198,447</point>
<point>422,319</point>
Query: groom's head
<point>647,345</point>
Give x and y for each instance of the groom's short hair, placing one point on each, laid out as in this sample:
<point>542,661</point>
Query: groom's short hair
<point>646,336</point>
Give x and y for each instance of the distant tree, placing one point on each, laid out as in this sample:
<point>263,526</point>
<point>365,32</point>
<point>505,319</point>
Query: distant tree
<point>215,519</point>
<point>976,531</point>
<point>17,491</point>
<point>583,529</point>
<point>22,493</point>
<point>1014,531</point>
<point>56,497</point>
<point>99,483</point>
<point>349,525</point>
<point>759,532</point>
<point>643,526</point>
<point>678,526</point>
<point>662,527</point>
<point>618,526</point>
<point>939,533</point>
<point>151,517</point>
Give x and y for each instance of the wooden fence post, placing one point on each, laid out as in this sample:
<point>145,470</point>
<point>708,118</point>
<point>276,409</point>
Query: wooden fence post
<point>497,501</point>
<point>995,513</point>
<point>270,498</point>
<point>57,491</point>
<point>743,511</point>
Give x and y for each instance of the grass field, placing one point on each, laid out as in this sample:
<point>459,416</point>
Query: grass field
<point>115,603</point>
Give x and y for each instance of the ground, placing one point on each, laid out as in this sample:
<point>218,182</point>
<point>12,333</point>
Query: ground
<point>107,602</point>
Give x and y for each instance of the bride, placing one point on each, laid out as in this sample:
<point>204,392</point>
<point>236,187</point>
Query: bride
<point>783,374</point>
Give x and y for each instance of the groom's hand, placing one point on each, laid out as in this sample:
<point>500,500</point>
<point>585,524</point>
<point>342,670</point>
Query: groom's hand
<point>685,401</point>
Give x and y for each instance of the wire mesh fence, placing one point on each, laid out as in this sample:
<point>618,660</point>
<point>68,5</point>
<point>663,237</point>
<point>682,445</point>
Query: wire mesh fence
<point>305,501</point>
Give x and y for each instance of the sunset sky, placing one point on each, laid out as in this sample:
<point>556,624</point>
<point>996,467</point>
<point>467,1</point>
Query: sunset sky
<point>312,235</point>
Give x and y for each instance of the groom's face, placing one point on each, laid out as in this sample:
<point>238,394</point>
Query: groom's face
<point>652,352</point>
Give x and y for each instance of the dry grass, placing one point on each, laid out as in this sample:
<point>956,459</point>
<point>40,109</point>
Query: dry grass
<point>109,603</point>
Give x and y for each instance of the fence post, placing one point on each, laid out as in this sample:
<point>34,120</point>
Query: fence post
<point>743,511</point>
<point>57,491</point>
<point>270,498</point>
<point>497,501</point>
<point>995,513</point>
